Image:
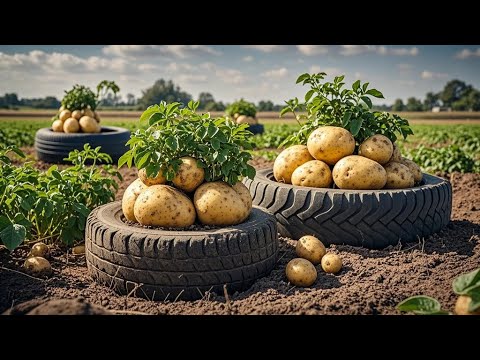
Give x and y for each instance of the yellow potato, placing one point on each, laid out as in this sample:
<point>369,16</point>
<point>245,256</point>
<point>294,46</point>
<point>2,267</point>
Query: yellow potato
<point>310,248</point>
<point>88,124</point>
<point>331,263</point>
<point>398,176</point>
<point>129,198</point>
<point>62,108</point>
<point>414,169</point>
<point>157,180</point>
<point>301,272</point>
<point>218,203</point>
<point>242,119</point>
<point>64,115</point>
<point>37,265</point>
<point>288,160</point>
<point>462,304</point>
<point>77,114</point>
<point>39,249</point>
<point>313,173</point>
<point>96,116</point>
<point>57,126</point>
<point>359,173</point>
<point>163,205</point>
<point>78,250</point>
<point>330,144</point>
<point>71,125</point>
<point>98,128</point>
<point>378,148</point>
<point>396,156</point>
<point>189,176</point>
<point>88,112</point>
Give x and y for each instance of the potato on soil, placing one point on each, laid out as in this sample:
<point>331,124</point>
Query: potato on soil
<point>88,112</point>
<point>218,203</point>
<point>129,198</point>
<point>78,250</point>
<point>39,249</point>
<point>159,179</point>
<point>310,248</point>
<point>189,176</point>
<point>288,160</point>
<point>359,173</point>
<point>414,169</point>
<point>242,119</point>
<point>313,173</point>
<point>462,304</point>
<point>71,125</point>
<point>37,265</point>
<point>398,176</point>
<point>396,156</point>
<point>88,124</point>
<point>301,272</point>
<point>77,114</point>
<point>330,144</point>
<point>378,148</point>
<point>331,263</point>
<point>57,126</point>
<point>64,115</point>
<point>163,205</point>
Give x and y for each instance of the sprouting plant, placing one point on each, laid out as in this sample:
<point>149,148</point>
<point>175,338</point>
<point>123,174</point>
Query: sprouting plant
<point>79,97</point>
<point>241,107</point>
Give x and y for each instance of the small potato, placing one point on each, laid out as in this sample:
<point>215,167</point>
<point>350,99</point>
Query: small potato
<point>163,205</point>
<point>242,119</point>
<point>189,176</point>
<point>39,249</point>
<point>359,173</point>
<point>301,272</point>
<point>37,265</point>
<point>65,114</point>
<point>88,124</point>
<point>462,304</point>
<point>310,248</point>
<point>96,116</point>
<point>398,176</point>
<point>313,173</point>
<point>378,147</point>
<point>77,114</point>
<point>330,144</point>
<point>396,156</point>
<point>61,108</point>
<point>57,126</point>
<point>414,169</point>
<point>157,180</point>
<point>71,125</point>
<point>78,250</point>
<point>288,160</point>
<point>331,263</point>
<point>129,198</point>
<point>218,203</point>
<point>88,112</point>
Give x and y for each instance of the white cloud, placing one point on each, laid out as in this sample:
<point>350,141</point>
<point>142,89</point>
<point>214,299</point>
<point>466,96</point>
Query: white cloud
<point>276,73</point>
<point>180,51</point>
<point>310,50</point>
<point>265,48</point>
<point>404,67</point>
<point>230,76</point>
<point>192,78</point>
<point>315,69</point>
<point>359,75</point>
<point>248,58</point>
<point>350,50</point>
<point>467,53</point>
<point>429,75</point>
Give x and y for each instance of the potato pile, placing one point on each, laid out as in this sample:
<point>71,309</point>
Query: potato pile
<point>36,262</point>
<point>150,201</point>
<point>84,120</point>
<point>329,157</point>
<point>243,119</point>
<point>301,271</point>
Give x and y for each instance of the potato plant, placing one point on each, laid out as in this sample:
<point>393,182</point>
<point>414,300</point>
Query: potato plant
<point>241,107</point>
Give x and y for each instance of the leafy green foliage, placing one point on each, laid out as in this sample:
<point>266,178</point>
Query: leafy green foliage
<point>218,144</point>
<point>54,204</point>
<point>79,97</point>
<point>421,305</point>
<point>241,107</point>
<point>329,103</point>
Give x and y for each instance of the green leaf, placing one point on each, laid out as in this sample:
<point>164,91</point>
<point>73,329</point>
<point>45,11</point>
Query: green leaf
<point>172,143</point>
<point>355,126</point>
<point>251,172</point>
<point>215,144</point>
<point>463,283</point>
<point>309,94</point>
<point>346,118</point>
<point>4,222</point>
<point>125,158</point>
<point>375,93</point>
<point>13,235</point>
<point>367,101</point>
<point>421,305</point>
<point>356,85</point>
<point>284,111</point>
<point>82,209</point>
<point>142,161</point>
<point>56,175</point>
<point>302,77</point>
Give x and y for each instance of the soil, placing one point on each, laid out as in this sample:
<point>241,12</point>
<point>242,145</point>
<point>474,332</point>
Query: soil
<point>371,281</point>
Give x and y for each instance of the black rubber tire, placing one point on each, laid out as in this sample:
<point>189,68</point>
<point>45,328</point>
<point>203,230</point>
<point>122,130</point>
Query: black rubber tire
<point>256,128</point>
<point>373,219</point>
<point>178,264</point>
<point>53,147</point>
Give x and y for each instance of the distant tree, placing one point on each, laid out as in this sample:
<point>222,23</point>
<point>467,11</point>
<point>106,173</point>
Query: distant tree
<point>468,102</point>
<point>453,91</point>
<point>431,100</point>
<point>130,99</point>
<point>206,100</point>
<point>265,105</point>
<point>163,90</point>
<point>413,104</point>
<point>11,99</point>
<point>398,105</point>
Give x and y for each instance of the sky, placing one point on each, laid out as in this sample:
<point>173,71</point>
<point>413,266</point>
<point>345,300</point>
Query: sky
<point>230,72</point>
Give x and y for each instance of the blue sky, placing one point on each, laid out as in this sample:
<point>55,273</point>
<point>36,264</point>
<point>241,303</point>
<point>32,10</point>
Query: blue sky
<point>229,72</point>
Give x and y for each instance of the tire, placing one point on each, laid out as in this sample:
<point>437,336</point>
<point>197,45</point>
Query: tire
<point>256,129</point>
<point>374,219</point>
<point>159,264</point>
<point>53,147</point>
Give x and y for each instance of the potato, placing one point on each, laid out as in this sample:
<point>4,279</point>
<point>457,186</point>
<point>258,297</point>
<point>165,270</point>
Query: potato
<point>129,198</point>
<point>218,203</point>
<point>96,116</point>
<point>57,126</point>
<point>462,304</point>
<point>39,249</point>
<point>37,265</point>
<point>378,147</point>
<point>396,156</point>
<point>330,144</point>
<point>398,176</point>
<point>78,250</point>
<point>64,115</point>
<point>288,160</point>
<point>331,263</point>
<point>301,272</point>
<point>189,176</point>
<point>414,169</point>
<point>77,114</point>
<point>359,173</point>
<point>61,108</point>
<point>310,248</point>
<point>71,125</point>
<point>242,119</point>
<point>157,180</point>
<point>313,173</point>
<point>88,112</point>
<point>98,128</point>
<point>88,124</point>
<point>163,205</point>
